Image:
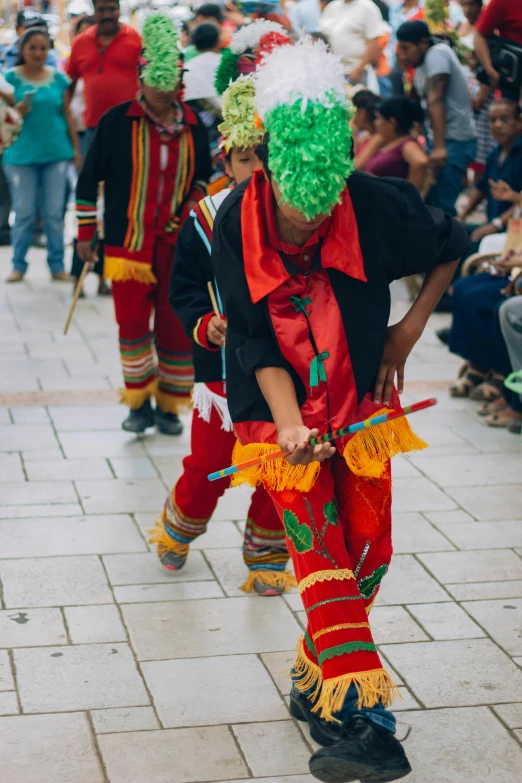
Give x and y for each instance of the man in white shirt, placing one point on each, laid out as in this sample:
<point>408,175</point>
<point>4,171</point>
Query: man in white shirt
<point>200,71</point>
<point>353,28</point>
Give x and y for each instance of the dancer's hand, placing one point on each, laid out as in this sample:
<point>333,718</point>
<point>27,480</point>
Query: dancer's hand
<point>397,347</point>
<point>293,440</point>
<point>216,329</point>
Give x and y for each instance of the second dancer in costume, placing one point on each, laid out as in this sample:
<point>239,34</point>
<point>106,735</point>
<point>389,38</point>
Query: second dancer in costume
<point>304,256</point>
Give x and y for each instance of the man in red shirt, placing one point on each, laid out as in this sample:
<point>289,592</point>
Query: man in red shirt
<point>503,17</point>
<point>106,58</point>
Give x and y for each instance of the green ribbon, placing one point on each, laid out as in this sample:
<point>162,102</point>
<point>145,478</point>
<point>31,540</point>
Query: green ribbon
<point>301,304</point>
<point>317,371</point>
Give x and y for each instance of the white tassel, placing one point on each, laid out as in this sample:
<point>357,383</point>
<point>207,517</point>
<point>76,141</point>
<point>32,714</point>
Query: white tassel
<point>304,72</point>
<point>204,399</point>
<point>249,36</point>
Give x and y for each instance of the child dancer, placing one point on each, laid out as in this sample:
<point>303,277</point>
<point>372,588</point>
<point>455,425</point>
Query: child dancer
<point>304,258</point>
<point>193,500</point>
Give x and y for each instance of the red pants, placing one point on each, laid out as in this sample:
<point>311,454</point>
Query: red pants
<point>194,498</point>
<point>339,538</point>
<point>159,361</point>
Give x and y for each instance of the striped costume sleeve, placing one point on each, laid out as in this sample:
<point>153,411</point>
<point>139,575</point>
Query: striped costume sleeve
<point>86,215</point>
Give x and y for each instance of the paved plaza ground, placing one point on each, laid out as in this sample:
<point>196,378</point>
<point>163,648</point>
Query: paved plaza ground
<point>115,671</point>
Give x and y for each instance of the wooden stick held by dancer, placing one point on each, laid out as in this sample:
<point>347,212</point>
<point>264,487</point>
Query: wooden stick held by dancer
<point>382,418</point>
<point>213,299</point>
<point>77,292</point>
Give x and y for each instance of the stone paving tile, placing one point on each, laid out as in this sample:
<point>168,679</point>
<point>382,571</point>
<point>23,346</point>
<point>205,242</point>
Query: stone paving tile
<point>45,454</point>
<point>11,468</point>
<point>48,749</point>
<point>408,582</point>
<point>147,569</point>
<point>172,756</point>
<point>31,628</point>
<point>100,444</point>
<point>473,566</point>
<point>230,570</point>
<point>108,678</point>
<point>511,714</point>
<point>419,495</point>
<point>87,417</point>
<point>448,517</point>
<point>133,467</point>
<point>121,495</point>
<point>412,533</point>
<point>29,493</point>
<point>78,382</point>
<point>446,621</point>
<point>27,437</point>
<point>209,691</point>
<point>484,535</point>
<point>476,470</point>
<point>485,438</point>
<point>7,682</point>
<point>169,468</point>
<point>220,535</point>
<point>30,415</point>
<point>94,624</point>
<point>221,626</point>
<point>54,581</point>
<point>408,701</point>
<point>273,748</point>
<point>488,503</point>
<point>482,591</point>
<point>394,624</point>
<point>461,746</point>
<point>42,512</point>
<point>70,536</point>
<point>502,620</point>
<point>181,591</point>
<point>9,703</point>
<point>279,665</point>
<point>234,504</point>
<point>124,719</point>
<point>72,470</point>
<point>457,673</point>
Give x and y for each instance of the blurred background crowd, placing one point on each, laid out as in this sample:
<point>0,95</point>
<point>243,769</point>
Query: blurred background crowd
<point>436,89</point>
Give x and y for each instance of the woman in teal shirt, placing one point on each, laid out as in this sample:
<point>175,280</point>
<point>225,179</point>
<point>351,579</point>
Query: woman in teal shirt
<point>38,160</point>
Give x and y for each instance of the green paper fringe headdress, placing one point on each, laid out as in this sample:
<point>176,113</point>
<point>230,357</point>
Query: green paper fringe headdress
<point>301,98</point>
<point>239,127</point>
<point>160,52</point>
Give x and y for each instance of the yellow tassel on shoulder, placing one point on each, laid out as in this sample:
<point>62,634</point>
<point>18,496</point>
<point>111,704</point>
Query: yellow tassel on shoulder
<point>276,474</point>
<point>283,579</point>
<point>368,452</point>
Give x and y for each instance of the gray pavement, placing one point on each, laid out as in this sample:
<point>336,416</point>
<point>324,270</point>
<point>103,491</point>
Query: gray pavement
<point>115,671</point>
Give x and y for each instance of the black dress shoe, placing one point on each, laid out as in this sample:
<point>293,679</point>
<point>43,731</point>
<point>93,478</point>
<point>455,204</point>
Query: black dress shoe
<point>168,423</point>
<point>367,752</point>
<point>139,419</point>
<point>444,335</point>
<point>324,732</point>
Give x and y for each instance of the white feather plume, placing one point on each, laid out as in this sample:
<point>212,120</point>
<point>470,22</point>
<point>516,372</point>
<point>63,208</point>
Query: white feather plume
<point>305,72</point>
<point>249,36</point>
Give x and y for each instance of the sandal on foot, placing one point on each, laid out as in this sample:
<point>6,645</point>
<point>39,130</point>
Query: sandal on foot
<point>488,408</point>
<point>469,377</point>
<point>104,289</point>
<point>15,277</point>
<point>490,390</point>
<point>503,418</point>
<point>61,277</point>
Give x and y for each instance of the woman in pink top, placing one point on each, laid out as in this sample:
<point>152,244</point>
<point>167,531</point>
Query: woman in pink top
<point>400,155</point>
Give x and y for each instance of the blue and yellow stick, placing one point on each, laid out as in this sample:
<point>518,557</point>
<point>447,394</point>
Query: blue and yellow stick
<point>382,418</point>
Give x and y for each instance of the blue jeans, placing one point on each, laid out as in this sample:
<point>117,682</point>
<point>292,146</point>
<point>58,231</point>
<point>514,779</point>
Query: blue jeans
<point>376,714</point>
<point>446,190</point>
<point>25,182</point>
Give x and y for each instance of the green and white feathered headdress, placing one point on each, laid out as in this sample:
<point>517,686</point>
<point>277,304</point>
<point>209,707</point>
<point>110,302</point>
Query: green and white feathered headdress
<point>301,98</point>
<point>160,59</point>
<point>240,127</point>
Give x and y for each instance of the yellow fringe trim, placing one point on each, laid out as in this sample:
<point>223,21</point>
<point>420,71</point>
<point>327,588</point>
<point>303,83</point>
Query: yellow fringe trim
<point>325,576</point>
<point>276,474</point>
<point>329,695</point>
<point>164,543</point>
<point>284,579</point>
<point>135,398</point>
<point>121,270</point>
<point>306,674</point>
<point>170,403</point>
<point>367,453</point>
<point>370,606</point>
<point>340,627</point>
<point>373,687</point>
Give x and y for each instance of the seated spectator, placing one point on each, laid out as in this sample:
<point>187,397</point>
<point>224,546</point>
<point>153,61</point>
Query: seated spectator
<point>200,72</point>
<point>363,126</point>
<point>503,18</point>
<point>510,322</point>
<point>504,164</point>
<point>440,81</point>
<point>400,155</point>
